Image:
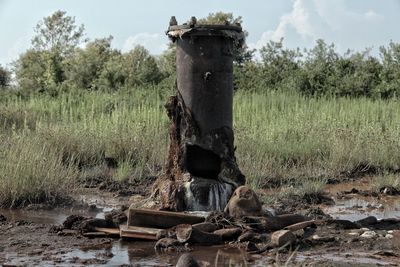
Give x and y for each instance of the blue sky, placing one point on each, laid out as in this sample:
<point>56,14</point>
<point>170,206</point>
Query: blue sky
<point>353,24</point>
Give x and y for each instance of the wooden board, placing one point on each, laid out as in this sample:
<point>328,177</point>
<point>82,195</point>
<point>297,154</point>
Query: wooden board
<point>139,232</point>
<point>109,231</point>
<point>160,219</point>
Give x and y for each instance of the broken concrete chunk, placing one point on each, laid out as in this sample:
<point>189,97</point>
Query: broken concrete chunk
<point>368,234</point>
<point>282,237</point>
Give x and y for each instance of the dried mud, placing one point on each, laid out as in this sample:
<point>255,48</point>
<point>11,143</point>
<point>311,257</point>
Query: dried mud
<point>35,237</point>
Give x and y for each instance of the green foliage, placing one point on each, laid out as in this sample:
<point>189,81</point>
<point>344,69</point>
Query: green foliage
<point>141,67</point>
<point>5,77</point>
<point>86,65</point>
<point>242,53</point>
<point>58,33</point>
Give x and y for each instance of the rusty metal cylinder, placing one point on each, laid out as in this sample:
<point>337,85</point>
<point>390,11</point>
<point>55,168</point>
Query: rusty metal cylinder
<point>205,79</point>
<point>204,64</point>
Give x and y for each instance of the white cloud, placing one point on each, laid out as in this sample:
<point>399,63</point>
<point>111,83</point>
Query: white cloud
<point>333,21</point>
<point>19,47</point>
<point>298,19</point>
<point>153,42</point>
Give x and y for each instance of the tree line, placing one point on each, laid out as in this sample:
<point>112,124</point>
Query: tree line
<point>62,59</point>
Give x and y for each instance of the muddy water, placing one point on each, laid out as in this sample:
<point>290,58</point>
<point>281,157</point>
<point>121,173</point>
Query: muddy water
<point>143,254</point>
<point>354,206</point>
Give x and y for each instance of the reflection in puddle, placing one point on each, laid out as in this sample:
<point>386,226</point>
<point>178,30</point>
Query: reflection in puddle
<point>143,254</point>
<point>354,207</point>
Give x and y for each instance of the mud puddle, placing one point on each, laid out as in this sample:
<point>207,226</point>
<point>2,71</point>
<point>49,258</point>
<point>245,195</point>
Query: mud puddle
<point>355,206</point>
<point>89,204</point>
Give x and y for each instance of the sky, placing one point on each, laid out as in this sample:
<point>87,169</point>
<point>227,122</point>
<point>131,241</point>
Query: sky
<point>350,24</point>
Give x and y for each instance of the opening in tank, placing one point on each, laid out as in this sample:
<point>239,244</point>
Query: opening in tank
<point>202,162</point>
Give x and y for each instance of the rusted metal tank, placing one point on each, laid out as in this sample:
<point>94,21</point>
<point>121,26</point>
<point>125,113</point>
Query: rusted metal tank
<point>204,69</point>
<point>201,163</point>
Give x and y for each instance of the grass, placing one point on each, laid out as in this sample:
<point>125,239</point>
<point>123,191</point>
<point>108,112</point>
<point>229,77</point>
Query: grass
<point>280,136</point>
<point>386,181</point>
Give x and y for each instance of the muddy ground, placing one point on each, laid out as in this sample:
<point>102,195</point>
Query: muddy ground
<point>32,236</point>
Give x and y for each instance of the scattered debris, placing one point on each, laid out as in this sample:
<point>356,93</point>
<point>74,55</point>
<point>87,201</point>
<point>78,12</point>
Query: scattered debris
<point>165,219</point>
<point>282,237</point>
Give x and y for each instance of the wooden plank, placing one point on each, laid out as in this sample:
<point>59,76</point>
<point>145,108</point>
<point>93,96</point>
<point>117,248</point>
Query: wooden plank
<point>160,219</point>
<point>110,231</point>
<point>139,232</point>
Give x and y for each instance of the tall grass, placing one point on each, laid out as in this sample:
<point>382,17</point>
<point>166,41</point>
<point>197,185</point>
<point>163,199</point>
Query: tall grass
<point>279,135</point>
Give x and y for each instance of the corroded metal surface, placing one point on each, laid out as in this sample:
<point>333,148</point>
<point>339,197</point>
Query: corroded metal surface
<point>201,158</point>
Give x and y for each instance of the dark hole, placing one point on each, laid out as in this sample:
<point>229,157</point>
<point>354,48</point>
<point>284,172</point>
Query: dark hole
<point>202,163</point>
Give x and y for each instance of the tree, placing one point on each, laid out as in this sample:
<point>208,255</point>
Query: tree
<point>141,66</point>
<point>241,53</point>
<point>5,77</point>
<point>58,33</point>
<point>279,63</point>
<point>42,68</point>
<point>390,74</point>
<point>30,70</point>
<point>84,67</point>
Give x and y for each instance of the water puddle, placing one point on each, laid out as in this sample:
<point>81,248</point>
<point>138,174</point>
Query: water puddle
<point>355,206</point>
<point>102,204</point>
<point>143,254</point>
<point>358,258</point>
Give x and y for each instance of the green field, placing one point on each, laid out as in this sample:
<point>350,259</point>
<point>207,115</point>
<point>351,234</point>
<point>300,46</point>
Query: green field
<point>49,144</point>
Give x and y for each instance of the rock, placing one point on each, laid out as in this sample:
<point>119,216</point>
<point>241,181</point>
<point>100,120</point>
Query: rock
<point>368,234</point>
<point>89,225</point>
<point>116,216</point>
<point>244,202</point>
<point>370,220</point>
<point>167,243</point>
<point>187,260</point>
<point>73,221</point>
<point>354,233</point>
<point>205,227</point>
<point>282,237</point>
<point>228,233</point>
<point>186,233</point>
<point>389,236</point>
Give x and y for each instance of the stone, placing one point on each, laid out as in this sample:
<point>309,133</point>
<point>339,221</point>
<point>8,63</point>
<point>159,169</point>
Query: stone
<point>369,234</point>
<point>244,202</point>
<point>389,236</point>
<point>282,237</point>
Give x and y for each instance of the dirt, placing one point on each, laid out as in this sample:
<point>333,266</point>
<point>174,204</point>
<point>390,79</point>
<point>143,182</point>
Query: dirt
<point>35,236</point>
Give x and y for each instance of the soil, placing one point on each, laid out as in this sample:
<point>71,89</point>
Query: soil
<point>35,236</point>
